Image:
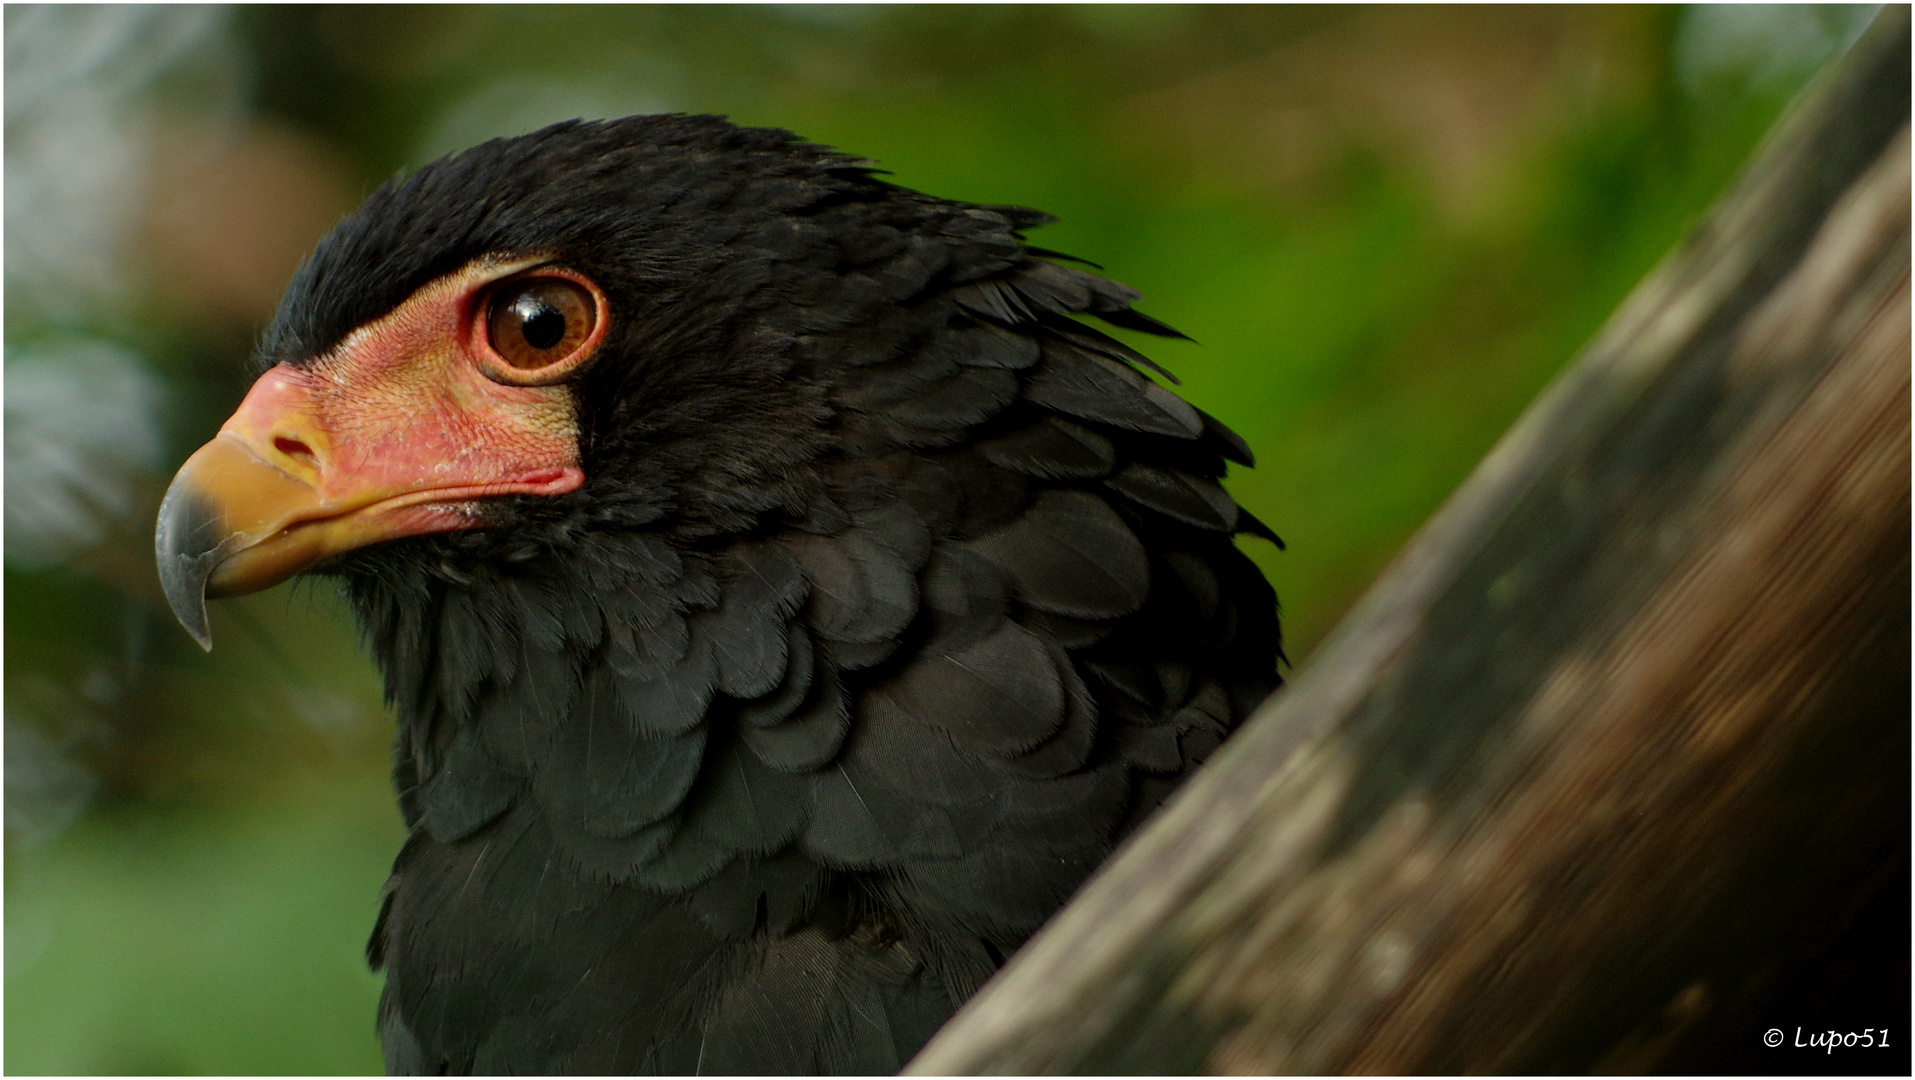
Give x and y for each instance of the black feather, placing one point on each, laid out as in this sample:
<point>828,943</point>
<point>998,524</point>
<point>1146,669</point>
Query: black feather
<point>811,737</point>
<point>742,807</point>
<point>1085,385</point>
<point>608,777</point>
<point>1069,748</point>
<point>641,651</point>
<point>1058,288</point>
<point>1071,555</point>
<point>518,717</point>
<point>923,763</point>
<point>858,655</point>
<point>1176,494</point>
<point>999,694</point>
<point>1052,449</point>
<point>1137,320</point>
<point>748,630</point>
<point>466,791</point>
<point>1150,747</point>
<point>1225,441</point>
<point>791,691</point>
<point>989,494</point>
<point>673,701</point>
<point>1068,632</point>
<point>985,346</point>
<point>1097,342</point>
<point>1248,522</point>
<point>995,300</point>
<point>861,826</point>
<point>965,594</point>
<point>863,585</point>
<point>970,396</point>
<point>1199,581</point>
<point>1046,253</point>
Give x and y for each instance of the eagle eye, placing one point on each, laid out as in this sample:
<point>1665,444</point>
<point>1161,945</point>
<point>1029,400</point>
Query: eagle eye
<point>538,322</point>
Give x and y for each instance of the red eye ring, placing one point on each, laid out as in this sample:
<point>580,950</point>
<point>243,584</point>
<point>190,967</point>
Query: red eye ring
<point>537,328</point>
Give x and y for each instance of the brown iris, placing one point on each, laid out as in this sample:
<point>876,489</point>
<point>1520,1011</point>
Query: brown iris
<point>537,322</point>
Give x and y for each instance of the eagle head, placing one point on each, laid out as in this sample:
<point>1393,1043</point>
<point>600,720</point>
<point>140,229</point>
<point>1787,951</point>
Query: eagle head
<point>786,597</point>
<point>527,330</point>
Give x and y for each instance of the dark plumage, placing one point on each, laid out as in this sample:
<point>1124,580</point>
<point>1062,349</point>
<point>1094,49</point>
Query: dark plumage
<point>893,598</point>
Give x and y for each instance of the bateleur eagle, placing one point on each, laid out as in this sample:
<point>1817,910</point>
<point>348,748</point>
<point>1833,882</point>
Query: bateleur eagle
<point>785,599</point>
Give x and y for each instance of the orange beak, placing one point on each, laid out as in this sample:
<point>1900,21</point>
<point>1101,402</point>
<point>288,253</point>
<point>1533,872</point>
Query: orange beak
<point>272,495</point>
<point>397,433</point>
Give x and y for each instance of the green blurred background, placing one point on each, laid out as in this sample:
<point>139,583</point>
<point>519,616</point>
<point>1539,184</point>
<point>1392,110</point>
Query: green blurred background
<point>1388,228</point>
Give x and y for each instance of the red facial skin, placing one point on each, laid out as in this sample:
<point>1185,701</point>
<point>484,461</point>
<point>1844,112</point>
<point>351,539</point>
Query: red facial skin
<point>399,431</point>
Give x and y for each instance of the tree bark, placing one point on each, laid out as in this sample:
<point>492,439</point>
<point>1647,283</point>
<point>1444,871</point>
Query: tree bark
<point>1610,770</point>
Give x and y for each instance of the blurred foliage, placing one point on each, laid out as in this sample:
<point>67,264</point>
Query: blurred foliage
<point>1388,227</point>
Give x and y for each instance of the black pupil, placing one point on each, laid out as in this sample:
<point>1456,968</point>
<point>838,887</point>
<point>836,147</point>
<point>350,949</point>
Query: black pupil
<point>542,324</point>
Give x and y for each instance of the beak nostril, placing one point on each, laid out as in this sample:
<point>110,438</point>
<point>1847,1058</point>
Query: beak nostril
<point>295,449</point>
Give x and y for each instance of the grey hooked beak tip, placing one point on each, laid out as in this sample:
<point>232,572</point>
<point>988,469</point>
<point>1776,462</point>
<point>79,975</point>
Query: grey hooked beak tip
<point>188,543</point>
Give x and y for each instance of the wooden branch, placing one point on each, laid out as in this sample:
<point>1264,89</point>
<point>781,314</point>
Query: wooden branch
<point>1602,768</point>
